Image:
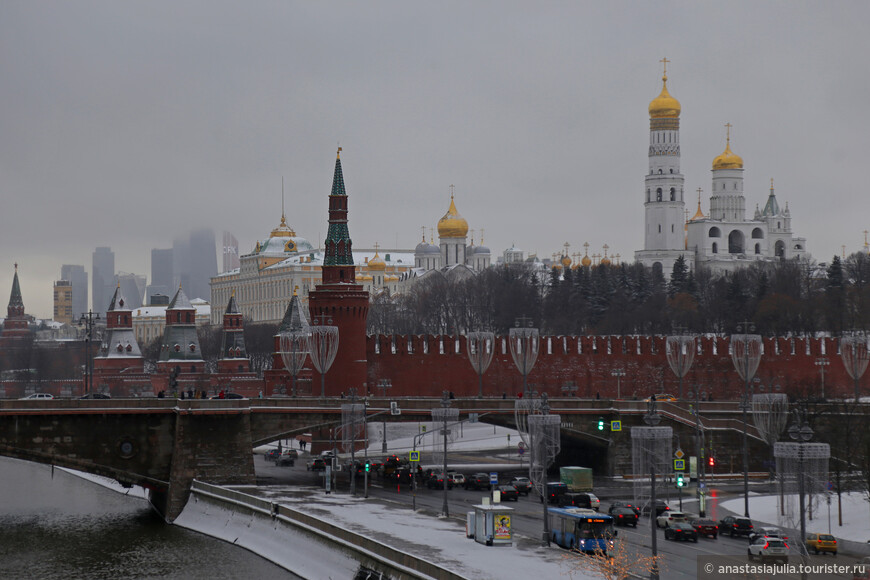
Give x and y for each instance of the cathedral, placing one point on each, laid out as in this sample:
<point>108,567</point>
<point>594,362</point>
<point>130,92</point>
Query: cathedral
<point>723,240</point>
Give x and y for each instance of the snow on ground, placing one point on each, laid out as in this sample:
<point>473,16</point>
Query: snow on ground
<point>856,515</point>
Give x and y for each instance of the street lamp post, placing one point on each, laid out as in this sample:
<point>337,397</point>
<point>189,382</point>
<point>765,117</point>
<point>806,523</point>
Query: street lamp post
<point>88,320</point>
<point>822,362</point>
<point>746,354</point>
<point>618,373</point>
<point>383,385</point>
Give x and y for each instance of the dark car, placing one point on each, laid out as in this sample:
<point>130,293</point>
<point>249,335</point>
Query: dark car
<point>523,484</point>
<point>623,516</point>
<point>661,507</point>
<point>623,504</point>
<point>555,491</point>
<point>706,527</point>
<point>477,481</point>
<point>316,464</point>
<point>681,531</point>
<point>580,500</point>
<point>96,396</point>
<point>436,481</point>
<point>735,526</point>
<point>509,493</point>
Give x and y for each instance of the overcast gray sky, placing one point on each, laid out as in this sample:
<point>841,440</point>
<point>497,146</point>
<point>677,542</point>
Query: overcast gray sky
<point>125,124</point>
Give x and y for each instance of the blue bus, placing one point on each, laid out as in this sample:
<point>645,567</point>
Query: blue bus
<point>582,529</point>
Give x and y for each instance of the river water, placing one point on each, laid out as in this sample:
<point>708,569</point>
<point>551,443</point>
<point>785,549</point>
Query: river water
<point>56,525</point>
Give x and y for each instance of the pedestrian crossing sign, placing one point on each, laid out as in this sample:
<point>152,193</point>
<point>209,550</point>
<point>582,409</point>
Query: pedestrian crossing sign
<point>616,425</point>
<point>414,456</point>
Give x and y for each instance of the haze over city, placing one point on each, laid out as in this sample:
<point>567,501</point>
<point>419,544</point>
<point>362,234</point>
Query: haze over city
<point>128,124</point>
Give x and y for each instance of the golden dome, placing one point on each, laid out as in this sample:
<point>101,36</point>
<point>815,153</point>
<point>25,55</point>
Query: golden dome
<point>664,106</point>
<point>283,230</point>
<point>566,261</point>
<point>452,225</point>
<point>377,263</point>
<point>728,159</point>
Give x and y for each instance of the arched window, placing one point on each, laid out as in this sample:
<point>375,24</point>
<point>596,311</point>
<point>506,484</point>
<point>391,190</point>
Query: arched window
<point>715,233</point>
<point>715,248</point>
<point>736,242</point>
<point>757,234</point>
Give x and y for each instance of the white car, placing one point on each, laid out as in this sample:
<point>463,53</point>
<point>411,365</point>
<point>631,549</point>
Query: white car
<point>667,518</point>
<point>768,549</point>
<point>38,396</point>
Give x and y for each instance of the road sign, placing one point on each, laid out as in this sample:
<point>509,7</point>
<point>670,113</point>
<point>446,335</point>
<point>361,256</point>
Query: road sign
<point>413,456</point>
<point>679,454</point>
<point>616,425</point>
<point>493,478</point>
<point>679,464</point>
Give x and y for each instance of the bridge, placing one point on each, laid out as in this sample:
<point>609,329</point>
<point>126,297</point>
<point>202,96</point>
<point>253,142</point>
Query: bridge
<point>164,444</point>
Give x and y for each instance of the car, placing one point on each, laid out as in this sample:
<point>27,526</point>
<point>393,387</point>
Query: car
<point>272,455</point>
<point>95,396</point>
<point>681,531</point>
<point>523,484</point>
<point>706,527</point>
<point>436,481</point>
<point>768,549</point>
<point>37,397</point>
<point>661,507</point>
<point>623,504</point>
<point>669,518</point>
<point>477,481</point>
<point>736,526</point>
<point>555,489</point>
<point>661,397</point>
<point>288,458</point>
<point>508,493</point>
<point>316,464</point>
<point>820,543</point>
<point>456,478</point>
<point>767,533</point>
<point>623,516</point>
<point>581,500</point>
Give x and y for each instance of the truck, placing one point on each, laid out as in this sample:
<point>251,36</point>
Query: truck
<point>576,478</point>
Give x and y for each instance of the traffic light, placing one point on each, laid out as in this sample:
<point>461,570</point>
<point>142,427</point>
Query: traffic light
<point>680,481</point>
<point>601,424</point>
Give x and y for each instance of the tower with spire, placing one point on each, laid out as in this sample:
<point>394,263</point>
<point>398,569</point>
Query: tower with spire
<point>16,325</point>
<point>339,300</point>
<point>664,206</point>
<point>119,350</point>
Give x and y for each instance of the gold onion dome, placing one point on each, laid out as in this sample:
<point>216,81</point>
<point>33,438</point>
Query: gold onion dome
<point>728,159</point>
<point>452,225</point>
<point>664,106</point>
<point>377,263</point>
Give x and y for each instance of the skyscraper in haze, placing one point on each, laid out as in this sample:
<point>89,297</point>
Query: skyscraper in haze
<point>203,263</point>
<point>230,253</point>
<point>103,279</point>
<point>161,273</point>
<point>78,279</point>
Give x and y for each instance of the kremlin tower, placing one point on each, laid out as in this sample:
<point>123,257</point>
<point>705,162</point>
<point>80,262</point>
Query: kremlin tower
<point>339,300</point>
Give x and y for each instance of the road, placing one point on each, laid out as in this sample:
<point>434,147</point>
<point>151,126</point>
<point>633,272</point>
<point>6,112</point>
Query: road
<point>679,559</point>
